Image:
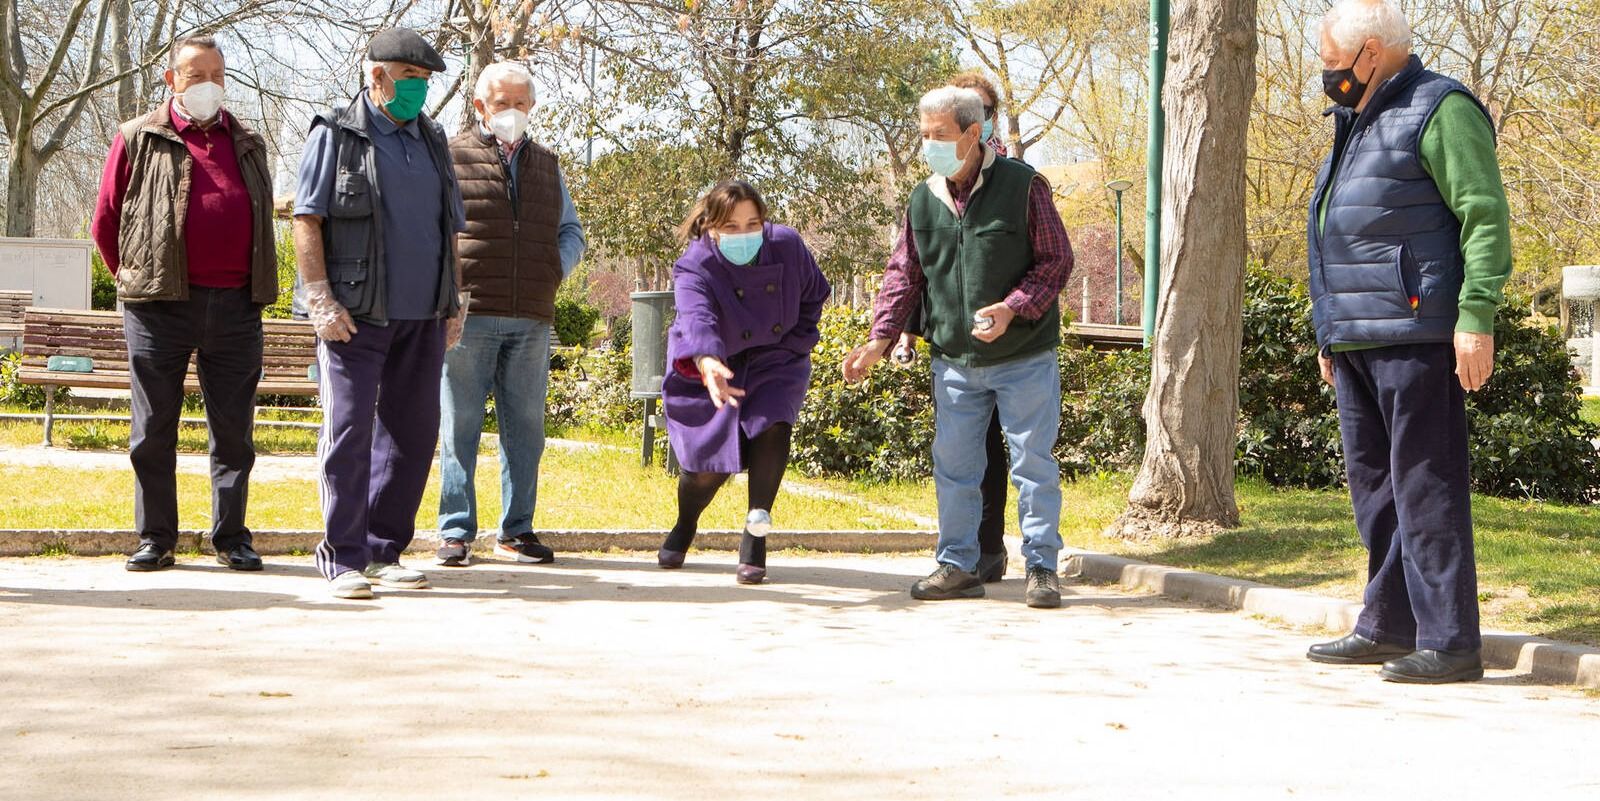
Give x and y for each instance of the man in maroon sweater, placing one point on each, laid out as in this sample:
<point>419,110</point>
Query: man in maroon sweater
<point>184,222</point>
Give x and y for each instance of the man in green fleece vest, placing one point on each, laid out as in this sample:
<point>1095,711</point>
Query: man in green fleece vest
<point>982,250</point>
<point>1409,248</point>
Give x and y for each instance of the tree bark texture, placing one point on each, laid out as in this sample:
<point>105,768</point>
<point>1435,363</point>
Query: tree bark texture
<point>1185,485</point>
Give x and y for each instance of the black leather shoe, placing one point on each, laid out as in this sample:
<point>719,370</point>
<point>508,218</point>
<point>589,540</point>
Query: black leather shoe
<point>240,557</point>
<point>1354,649</point>
<point>149,558</point>
<point>1434,667</point>
<point>992,566</point>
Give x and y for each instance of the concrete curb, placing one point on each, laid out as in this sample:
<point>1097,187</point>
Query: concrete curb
<point>21,542</point>
<point>1547,661</point>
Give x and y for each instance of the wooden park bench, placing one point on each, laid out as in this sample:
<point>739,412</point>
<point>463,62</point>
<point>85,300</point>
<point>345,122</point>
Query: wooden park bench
<point>289,349</point>
<point>1107,337</point>
<point>12,303</point>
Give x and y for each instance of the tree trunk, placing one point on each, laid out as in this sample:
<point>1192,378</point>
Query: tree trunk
<point>122,60</point>
<point>22,186</point>
<point>1185,486</point>
<point>481,57</point>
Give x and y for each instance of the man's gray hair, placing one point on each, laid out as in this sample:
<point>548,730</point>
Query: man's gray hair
<point>204,41</point>
<point>367,65</point>
<point>502,71</point>
<point>965,104</point>
<point>1350,23</point>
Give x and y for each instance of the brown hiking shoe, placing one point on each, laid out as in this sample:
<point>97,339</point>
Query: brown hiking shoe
<point>947,583</point>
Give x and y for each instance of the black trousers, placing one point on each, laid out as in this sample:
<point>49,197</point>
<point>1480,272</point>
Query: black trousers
<point>223,327</point>
<point>1403,419</point>
<point>992,523</point>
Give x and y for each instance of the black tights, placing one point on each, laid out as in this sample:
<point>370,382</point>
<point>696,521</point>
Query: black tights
<point>765,456</point>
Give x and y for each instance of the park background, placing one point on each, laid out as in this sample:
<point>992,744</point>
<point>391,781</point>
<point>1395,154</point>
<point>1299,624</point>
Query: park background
<point>648,102</point>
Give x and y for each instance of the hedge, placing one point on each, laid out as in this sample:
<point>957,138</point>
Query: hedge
<point>1528,436</point>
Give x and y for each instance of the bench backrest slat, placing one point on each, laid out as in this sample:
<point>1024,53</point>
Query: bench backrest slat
<point>289,346</point>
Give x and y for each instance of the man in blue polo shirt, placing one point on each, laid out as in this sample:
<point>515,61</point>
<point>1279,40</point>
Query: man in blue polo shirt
<point>376,214</point>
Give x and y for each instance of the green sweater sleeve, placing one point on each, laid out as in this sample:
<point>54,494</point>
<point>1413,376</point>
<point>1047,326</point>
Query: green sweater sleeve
<point>1458,151</point>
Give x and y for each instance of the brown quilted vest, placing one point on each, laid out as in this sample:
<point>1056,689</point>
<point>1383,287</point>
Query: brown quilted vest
<point>510,260</point>
<point>150,240</point>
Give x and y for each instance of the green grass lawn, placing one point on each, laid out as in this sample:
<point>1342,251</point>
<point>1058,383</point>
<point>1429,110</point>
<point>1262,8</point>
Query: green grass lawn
<point>1538,563</point>
<point>1591,410</point>
<point>601,489</point>
<point>113,435</point>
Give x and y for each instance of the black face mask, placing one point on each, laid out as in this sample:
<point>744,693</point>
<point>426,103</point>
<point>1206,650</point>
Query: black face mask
<point>1343,87</point>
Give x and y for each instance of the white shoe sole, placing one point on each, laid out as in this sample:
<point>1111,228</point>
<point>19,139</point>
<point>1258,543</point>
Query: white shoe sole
<point>401,585</point>
<point>353,593</point>
<point>466,561</point>
<point>517,556</point>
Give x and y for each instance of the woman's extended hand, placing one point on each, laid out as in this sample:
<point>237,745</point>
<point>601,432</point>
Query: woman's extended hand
<point>715,375</point>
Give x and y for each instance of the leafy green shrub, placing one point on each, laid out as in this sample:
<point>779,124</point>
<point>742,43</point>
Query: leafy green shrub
<point>1102,395</point>
<point>881,428</point>
<point>283,307</point>
<point>574,321</point>
<point>102,285</point>
<point>622,333</point>
<point>16,393</point>
<point>1288,428</point>
<point>601,400</point>
<point>1529,437</point>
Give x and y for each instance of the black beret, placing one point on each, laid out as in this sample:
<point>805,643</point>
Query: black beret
<point>405,46</point>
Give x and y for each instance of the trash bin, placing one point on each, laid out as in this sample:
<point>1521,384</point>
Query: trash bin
<point>652,312</point>
<point>651,316</point>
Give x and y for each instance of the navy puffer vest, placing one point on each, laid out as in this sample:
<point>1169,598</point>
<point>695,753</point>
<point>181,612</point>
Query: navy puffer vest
<point>1386,265</point>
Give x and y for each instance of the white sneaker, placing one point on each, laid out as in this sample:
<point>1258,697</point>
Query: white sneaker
<point>758,522</point>
<point>396,575</point>
<point>351,585</point>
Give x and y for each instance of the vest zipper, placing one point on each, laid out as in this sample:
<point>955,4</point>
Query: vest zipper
<point>516,226</point>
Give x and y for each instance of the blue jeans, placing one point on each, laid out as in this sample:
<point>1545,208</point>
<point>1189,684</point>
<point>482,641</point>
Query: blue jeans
<point>510,357</point>
<point>1027,392</point>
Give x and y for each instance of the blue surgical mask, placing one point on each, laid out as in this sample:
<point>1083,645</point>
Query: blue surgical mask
<point>941,157</point>
<point>988,130</point>
<point>740,249</point>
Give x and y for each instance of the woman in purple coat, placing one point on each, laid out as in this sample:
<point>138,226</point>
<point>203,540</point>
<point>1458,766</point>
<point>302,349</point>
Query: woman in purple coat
<point>749,296</point>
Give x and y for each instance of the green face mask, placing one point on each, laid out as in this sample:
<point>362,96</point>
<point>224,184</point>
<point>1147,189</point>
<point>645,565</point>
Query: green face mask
<point>409,94</point>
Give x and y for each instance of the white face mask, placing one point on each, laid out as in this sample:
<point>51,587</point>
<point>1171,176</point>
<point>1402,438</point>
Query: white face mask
<point>509,125</point>
<point>202,101</point>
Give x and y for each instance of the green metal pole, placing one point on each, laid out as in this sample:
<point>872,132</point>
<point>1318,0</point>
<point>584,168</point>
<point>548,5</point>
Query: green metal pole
<point>1119,258</point>
<point>1160,21</point>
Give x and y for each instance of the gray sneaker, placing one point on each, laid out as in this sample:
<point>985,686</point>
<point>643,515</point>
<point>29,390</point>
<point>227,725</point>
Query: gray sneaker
<point>1044,588</point>
<point>396,576</point>
<point>454,553</point>
<point>947,583</point>
<point>351,585</point>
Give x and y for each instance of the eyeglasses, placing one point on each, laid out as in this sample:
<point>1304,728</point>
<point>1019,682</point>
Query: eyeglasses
<point>988,112</point>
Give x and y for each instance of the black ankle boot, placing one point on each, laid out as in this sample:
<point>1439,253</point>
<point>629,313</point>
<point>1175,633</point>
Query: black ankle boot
<point>752,559</point>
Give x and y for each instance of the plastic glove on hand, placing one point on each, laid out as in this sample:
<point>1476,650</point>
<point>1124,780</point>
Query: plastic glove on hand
<point>330,319</point>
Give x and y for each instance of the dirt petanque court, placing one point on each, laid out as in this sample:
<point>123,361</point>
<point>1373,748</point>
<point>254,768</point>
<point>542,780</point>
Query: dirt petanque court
<point>602,677</point>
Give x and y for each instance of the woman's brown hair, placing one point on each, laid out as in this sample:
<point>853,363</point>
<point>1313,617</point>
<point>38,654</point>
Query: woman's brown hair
<point>980,82</point>
<point>717,206</point>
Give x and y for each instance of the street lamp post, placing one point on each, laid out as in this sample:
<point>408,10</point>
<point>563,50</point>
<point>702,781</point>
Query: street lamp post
<point>1119,186</point>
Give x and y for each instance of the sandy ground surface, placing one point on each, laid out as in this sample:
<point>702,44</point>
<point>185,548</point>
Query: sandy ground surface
<point>602,677</point>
